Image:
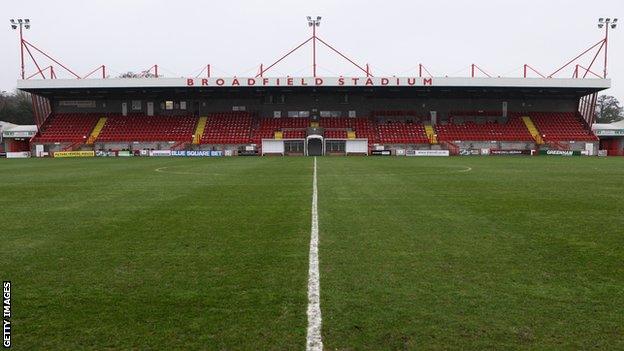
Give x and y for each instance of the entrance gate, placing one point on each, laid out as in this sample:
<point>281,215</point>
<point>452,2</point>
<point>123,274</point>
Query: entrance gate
<point>315,145</point>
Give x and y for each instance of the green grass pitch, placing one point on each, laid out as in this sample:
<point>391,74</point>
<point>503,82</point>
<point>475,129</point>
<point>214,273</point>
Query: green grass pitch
<point>415,253</point>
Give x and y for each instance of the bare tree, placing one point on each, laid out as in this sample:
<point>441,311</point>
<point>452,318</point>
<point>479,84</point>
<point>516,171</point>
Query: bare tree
<point>608,109</point>
<point>16,108</point>
<point>142,74</point>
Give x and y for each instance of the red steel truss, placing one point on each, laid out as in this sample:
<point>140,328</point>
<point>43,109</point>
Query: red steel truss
<point>49,72</point>
<point>586,105</point>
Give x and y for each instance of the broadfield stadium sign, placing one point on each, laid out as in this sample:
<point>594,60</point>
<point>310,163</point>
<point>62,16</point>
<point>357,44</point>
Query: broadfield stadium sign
<point>309,81</point>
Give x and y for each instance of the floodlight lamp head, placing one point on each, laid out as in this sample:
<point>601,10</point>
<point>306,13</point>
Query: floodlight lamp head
<point>615,20</point>
<point>318,24</point>
<point>601,20</point>
<point>12,20</point>
<point>27,20</point>
<point>600,25</point>
<point>27,26</point>
<point>608,20</point>
<point>309,18</point>
<point>318,18</point>
<point>13,26</point>
<point>613,26</point>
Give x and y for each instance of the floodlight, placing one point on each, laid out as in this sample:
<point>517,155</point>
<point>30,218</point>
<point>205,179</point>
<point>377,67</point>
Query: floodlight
<point>600,25</point>
<point>314,22</point>
<point>615,20</point>
<point>21,23</point>
<point>601,20</point>
<point>608,20</point>
<point>613,26</point>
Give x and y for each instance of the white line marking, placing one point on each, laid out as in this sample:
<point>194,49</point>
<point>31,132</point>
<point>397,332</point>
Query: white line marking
<point>314,340</point>
<point>462,169</point>
<point>165,170</point>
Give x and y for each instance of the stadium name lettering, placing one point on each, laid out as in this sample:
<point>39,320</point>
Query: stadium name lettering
<point>309,81</point>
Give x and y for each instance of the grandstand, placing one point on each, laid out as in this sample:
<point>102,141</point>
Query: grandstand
<point>411,253</point>
<point>339,115</point>
<point>416,113</point>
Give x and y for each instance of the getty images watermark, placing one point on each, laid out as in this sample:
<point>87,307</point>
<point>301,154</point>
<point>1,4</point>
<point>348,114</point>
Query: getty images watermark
<point>6,314</point>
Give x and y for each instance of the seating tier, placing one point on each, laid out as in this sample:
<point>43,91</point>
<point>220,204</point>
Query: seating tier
<point>228,128</point>
<point>66,127</point>
<point>561,126</point>
<point>139,127</point>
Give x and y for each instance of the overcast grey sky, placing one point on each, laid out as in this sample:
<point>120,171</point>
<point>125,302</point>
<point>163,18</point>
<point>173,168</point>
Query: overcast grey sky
<point>235,36</point>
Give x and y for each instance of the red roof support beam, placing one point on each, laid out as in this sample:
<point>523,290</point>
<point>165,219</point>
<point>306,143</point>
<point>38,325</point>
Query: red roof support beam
<point>35,61</point>
<point>473,67</point>
<point>604,45</point>
<point>51,58</point>
<point>314,50</point>
<point>421,67</point>
<point>41,72</point>
<point>587,70</point>
<point>343,56</point>
<point>102,67</point>
<point>283,57</point>
<point>205,68</point>
<point>528,67</point>
<point>576,58</point>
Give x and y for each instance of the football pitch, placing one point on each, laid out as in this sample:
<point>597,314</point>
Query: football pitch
<point>414,253</point>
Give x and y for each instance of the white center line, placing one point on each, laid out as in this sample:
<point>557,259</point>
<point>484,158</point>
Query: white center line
<point>314,341</point>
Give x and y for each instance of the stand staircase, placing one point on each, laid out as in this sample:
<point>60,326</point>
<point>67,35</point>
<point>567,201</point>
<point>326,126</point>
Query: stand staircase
<point>199,130</point>
<point>96,130</point>
<point>528,122</point>
<point>431,135</point>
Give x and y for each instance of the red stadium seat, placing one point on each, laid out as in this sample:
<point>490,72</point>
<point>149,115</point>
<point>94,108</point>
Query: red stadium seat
<point>402,133</point>
<point>293,128</point>
<point>66,127</point>
<point>139,127</point>
<point>489,129</point>
<point>561,126</point>
<point>228,128</point>
<point>402,127</point>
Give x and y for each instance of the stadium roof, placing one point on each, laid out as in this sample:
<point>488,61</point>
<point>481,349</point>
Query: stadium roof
<point>589,85</point>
